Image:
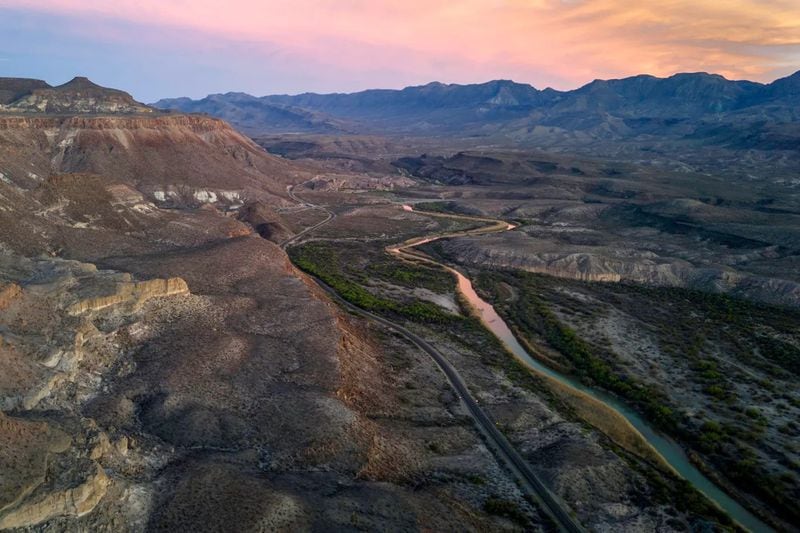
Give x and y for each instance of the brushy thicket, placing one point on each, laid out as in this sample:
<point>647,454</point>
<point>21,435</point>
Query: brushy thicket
<point>322,261</point>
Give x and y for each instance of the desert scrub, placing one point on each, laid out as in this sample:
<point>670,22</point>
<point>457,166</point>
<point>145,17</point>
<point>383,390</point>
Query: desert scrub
<point>389,269</point>
<point>727,346</point>
<point>323,261</point>
<point>507,509</point>
<point>533,316</point>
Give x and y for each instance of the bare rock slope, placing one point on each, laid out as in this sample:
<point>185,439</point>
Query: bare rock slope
<point>163,367</point>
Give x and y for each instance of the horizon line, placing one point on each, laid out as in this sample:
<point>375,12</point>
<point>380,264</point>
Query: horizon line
<point>450,84</point>
<point>435,82</point>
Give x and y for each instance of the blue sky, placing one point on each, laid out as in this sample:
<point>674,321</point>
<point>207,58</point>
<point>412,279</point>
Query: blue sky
<point>166,48</point>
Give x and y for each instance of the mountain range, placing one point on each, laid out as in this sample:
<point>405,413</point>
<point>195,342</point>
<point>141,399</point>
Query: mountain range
<point>688,106</point>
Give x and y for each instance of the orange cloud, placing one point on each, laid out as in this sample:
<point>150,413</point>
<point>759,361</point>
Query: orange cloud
<point>559,42</point>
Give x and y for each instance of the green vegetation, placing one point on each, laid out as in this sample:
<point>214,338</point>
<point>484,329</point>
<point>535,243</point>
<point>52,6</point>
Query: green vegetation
<point>322,261</point>
<point>349,267</point>
<point>475,479</point>
<point>533,316</point>
<point>450,208</point>
<point>695,329</point>
<point>393,271</point>
<point>712,436</point>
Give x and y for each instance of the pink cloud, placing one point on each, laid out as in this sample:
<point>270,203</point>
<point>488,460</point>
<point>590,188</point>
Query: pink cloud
<point>560,42</point>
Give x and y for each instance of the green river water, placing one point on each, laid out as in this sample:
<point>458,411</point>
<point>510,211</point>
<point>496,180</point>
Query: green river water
<point>668,448</point>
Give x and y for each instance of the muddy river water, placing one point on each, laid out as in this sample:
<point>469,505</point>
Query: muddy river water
<point>668,448</point>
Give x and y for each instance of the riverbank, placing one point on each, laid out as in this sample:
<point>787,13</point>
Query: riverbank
<point>364,267</point>
<point>622,424</point>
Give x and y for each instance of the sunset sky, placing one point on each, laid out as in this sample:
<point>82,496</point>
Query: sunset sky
<point>163,48</point>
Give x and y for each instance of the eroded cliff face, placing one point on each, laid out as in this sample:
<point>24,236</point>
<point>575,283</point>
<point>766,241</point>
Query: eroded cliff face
<point>173,159</point>
<point>576,250</point>
<point>517,252</point>
<point>46,100</point>
<point>53,459</point>
<point>27,446</point>
<point>130,293</point>
<point>70,502</point>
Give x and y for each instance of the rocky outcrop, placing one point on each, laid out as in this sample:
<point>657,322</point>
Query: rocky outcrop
<point>24,451</point>
<point>131,293</point>
<point>50,362</point>
<point>8,293</point>
<point>48,328</point>
<point>74,501</point>
<point>191,196</point>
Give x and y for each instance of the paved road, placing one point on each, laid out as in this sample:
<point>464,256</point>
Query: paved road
<point>496,441</point>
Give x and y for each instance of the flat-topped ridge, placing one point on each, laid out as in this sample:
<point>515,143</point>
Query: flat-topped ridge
<point>79,95</point>
<point>12,89</point>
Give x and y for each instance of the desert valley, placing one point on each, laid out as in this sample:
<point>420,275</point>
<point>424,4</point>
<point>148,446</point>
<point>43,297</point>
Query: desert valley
<point>448,308</point>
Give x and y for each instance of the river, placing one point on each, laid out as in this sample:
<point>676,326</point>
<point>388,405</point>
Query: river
<point>668,448</point>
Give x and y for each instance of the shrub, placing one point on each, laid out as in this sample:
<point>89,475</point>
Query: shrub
<point>506,508</point>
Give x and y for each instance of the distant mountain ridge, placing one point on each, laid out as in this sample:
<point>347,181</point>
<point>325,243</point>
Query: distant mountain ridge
<point>12,89</point>
<point>243,109</point>
<point>79,95</point>
<point>678,106</point>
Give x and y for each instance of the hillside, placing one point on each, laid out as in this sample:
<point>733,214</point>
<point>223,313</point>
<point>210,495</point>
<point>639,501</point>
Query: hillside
<point>12,89</point>
<point>164,366</point>
<point>168,157</point>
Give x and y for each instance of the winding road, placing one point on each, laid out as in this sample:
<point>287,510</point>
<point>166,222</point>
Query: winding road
<point>330,216</point>
<point>669,450</point>
<point>555,509</point>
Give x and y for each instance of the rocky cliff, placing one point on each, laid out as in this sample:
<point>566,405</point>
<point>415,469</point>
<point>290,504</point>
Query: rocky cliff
<point>130,293</point>
<point>623,262</point>
<point>51,467</point>
<point>70,502</point>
